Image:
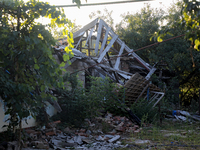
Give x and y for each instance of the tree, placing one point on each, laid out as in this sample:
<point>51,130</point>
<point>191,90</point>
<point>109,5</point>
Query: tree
<point>28,69</point>
<point>58,32</point>
<point>175,58</point>
<point>137,29</point>
<point>179,56</point>
<point>106,16</point>
<point>190,21</point>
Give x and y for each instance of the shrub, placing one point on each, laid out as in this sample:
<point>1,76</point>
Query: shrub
<point>72,101</point>
<point>145,111</point>
<point>78,104</point>
<point>102,95</point>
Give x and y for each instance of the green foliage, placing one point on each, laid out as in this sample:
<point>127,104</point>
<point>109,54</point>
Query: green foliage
<point>180,56</point>
<point>194,106</point>
<point>105,95</point>
<point>78,104</point>
<point>105,15</point>
<point>78,2</point>
<point>137,29</point>
<point>28,68</point>
<point>144,110</point>
<point>190,21</point>
<point>7,136</point>
<point>72,101</point>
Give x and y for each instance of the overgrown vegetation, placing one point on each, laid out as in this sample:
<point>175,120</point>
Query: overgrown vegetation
<point>177,59</point>
<point>171,135</point>
<point>78,103</point>
<point>145,111</point>
<point>29,72</point>
<point>28,69</point>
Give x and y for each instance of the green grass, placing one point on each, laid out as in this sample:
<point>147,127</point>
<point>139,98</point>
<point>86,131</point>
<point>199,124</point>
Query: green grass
<point>170,135</point>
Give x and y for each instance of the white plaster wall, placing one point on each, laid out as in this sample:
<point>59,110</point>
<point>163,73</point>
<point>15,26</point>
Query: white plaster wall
<point>30,120</point>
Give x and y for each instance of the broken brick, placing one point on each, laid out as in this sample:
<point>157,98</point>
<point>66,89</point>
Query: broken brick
<point>120,129</point>
<point>53,124</point>
<point>30,131</point>
<point>82,130</point>
<point>50,131</point>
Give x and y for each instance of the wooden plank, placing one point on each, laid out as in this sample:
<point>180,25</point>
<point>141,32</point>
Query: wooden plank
<point>142,93</point>
<point>124,76</point>
<point>104,40</point>
<point>111,33</point>
<point>161,96</point>
<point>140,60</point>
<point>78,53</point>
<point>119,41</point>
<point>86,27</point>
<point>89,37</point>
<point>118,58</point>
<point>135,88</point>
<point>104,73</point>
<point>98,37</point>
<point>107,48</point>
<point>116,70</point>
<point>91,62</point>
<point>136,75</point>
<point>79,41</point>
<point>72,60</point>
<point>116,76</point>
<point>150,73</point>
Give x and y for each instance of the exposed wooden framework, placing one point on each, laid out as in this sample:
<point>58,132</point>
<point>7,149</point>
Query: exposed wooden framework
<point>98,46</point>
<point>137,87</point>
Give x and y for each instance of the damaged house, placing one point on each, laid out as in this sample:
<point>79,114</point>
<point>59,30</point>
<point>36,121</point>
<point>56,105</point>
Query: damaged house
<point>99,52</point>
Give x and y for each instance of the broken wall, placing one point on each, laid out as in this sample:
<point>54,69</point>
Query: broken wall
<point>77,65</point>
<point>30,120</point>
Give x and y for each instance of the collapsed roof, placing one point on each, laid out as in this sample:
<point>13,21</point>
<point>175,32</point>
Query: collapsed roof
<point>105,54</point>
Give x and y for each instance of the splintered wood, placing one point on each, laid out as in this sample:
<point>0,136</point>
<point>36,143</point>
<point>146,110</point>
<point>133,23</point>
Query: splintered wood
<point>136,87</point>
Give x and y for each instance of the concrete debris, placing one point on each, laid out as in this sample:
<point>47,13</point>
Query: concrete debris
<point>78,139</point>
<point>174,134</point>
<point>141,141</point>
<point>108,136</point>
<point>40,144</point>
<point>117,137</point>
<point>100,138</point>
<point>87,141</point>
<point>88,132</point>
<point>90,138</point>
<point>183,116</point>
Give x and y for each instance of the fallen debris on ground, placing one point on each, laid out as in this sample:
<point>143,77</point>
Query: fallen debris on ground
<point>92,137</point>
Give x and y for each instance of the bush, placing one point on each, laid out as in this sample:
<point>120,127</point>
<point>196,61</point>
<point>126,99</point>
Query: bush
<point>145,111</point>
<point>102,95</point>
<point>72,101</point>
<point>78,104</point>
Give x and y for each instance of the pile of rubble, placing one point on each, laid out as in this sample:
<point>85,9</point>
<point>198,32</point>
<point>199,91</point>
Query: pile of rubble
<point>120,124</point>
<point>92,138</point>
<point>63,141</point>
<point>179,115</point>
